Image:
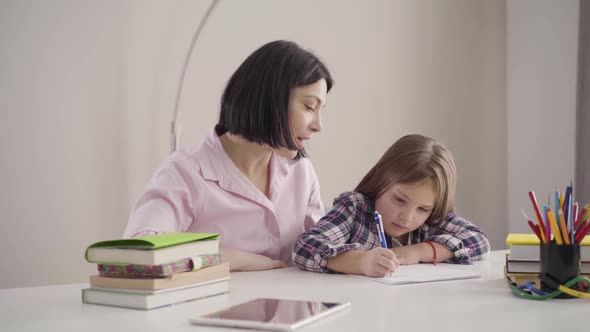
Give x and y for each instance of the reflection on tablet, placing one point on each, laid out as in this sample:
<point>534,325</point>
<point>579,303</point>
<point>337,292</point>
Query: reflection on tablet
<point>270,314</point>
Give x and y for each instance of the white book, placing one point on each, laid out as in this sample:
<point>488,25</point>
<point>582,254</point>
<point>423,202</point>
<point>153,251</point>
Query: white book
<point>152,257</point>
<point>525,252</point>
<point>152,301</point>
<point>533,252</point>
<point>535,267</point>
<point>409,274</point>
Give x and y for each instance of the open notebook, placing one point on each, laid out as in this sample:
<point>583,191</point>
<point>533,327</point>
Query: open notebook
<point>409,274</point>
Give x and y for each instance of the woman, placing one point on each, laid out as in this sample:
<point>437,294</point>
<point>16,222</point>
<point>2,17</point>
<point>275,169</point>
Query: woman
<point>249,180</point>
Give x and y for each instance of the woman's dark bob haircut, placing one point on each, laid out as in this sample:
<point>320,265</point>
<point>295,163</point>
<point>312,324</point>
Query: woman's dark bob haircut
<point>255,103</point>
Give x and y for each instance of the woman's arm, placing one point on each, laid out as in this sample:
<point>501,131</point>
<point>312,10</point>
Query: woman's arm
<point>246,261</point>
<point>167,203</point>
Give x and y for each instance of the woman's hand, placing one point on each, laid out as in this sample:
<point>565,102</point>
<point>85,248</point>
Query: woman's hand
<point>246,261</point>
<point>378,262</point>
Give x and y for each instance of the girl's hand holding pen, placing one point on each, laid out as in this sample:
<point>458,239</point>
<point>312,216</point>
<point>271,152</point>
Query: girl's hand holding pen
<point>378,262</point>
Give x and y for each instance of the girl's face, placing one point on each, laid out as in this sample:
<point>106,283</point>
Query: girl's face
<point>304,114</point>
<point>405,207</point>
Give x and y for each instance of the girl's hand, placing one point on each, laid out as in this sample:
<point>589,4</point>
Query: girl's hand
<point>246,261</point>
<point>408,255</point>
<point>378,262</point>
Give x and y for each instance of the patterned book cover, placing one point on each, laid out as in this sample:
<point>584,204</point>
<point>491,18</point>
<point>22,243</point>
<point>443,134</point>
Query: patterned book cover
<point>157,271</point>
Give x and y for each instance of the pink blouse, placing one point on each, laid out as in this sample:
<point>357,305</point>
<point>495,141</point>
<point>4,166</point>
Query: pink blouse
<point>199,189</point>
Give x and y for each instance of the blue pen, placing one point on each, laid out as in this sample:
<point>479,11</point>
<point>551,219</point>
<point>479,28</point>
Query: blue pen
<point>379,223</point>
<point>548,224</point>
<point>381,230</point>
<point>571,216</point>
<point>557,207</point>
<point>566,205</point>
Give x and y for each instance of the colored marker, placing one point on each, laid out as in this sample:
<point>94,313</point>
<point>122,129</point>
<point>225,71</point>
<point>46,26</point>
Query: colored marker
<point>554,227</point>
<point>535,229</point>
<point>563,228</point>
<point>539,218</point>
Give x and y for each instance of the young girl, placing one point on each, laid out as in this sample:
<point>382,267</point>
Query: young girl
<point>249,180</point>
<point>413,188</point>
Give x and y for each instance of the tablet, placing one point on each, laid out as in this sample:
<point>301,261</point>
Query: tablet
<point>270,314</point>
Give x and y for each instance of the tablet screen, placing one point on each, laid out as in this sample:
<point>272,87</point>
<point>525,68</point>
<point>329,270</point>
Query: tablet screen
<point>270,314</point>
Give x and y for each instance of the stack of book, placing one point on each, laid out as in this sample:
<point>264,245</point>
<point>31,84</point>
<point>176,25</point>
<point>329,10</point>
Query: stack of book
<point>523,262</point>
<point>155,271</point>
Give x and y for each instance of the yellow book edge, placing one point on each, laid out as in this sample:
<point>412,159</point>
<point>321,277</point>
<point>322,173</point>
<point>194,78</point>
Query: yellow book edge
<point>532,239</point>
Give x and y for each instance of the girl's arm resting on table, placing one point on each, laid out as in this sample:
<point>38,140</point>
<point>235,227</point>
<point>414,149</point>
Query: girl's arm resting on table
<point>348,262</point>
<point>466,241</point>
<point>247,261</point>
<point>422,253</point>
<point>312,251</point>
<point>328,238</point>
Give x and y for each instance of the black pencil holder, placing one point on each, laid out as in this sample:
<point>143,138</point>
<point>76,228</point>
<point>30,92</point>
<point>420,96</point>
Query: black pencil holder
<point>561,263</point>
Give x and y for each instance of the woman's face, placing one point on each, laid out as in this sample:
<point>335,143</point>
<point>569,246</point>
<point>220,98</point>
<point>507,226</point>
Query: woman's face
<point>304,114</point>
<point>405,207</point>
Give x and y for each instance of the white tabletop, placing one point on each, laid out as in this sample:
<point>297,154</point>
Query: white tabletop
<point>484,304</point>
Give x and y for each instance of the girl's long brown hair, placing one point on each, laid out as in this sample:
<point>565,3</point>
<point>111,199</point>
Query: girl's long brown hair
<point>410,159</point>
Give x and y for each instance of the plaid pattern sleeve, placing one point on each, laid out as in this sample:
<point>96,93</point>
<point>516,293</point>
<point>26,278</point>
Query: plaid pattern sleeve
<point>346,227</point>
<point>467,242</point>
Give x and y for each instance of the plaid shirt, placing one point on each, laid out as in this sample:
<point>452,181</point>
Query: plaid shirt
<point>350,226</point>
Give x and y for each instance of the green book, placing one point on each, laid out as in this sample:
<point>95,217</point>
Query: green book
<point>153,249</point>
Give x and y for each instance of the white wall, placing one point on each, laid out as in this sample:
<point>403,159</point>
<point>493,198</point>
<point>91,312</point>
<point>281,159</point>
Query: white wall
<point>87,91</point>
<point>400,67</point>
<point>63,145</point>
<point>542,50</point>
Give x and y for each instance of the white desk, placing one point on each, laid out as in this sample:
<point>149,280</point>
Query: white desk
<point>484,304</point>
